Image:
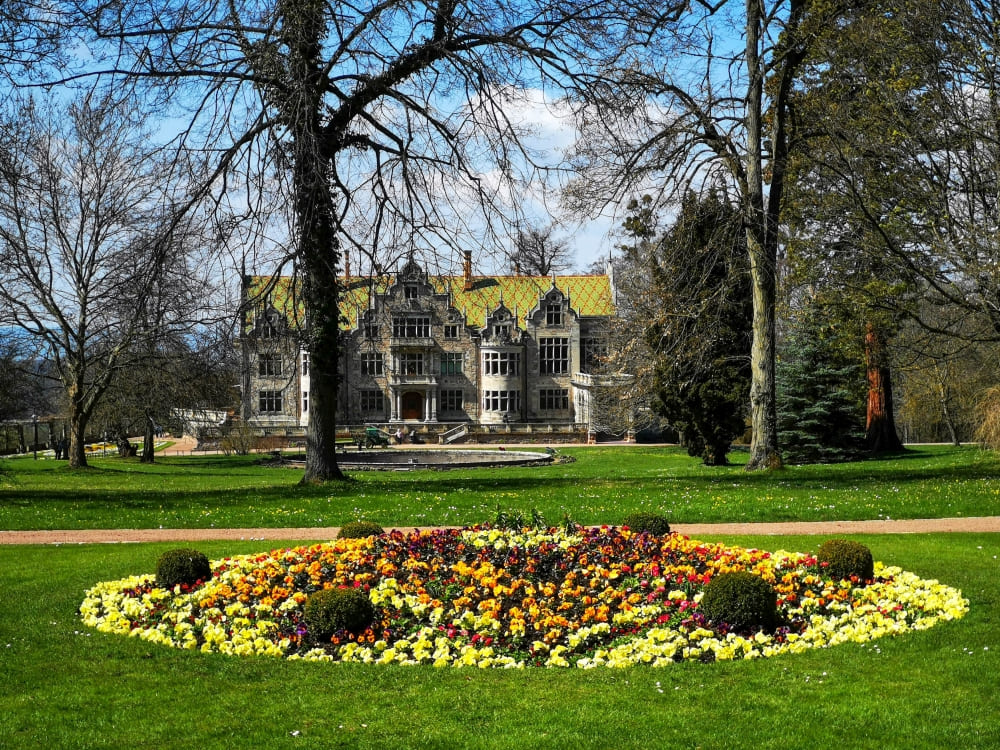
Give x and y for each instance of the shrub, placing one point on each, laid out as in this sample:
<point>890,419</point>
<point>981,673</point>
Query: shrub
<point>846,558</point>
<point>740,600</point>
<point>359,530</point>
<point>988,413</point>
<point>653,523</point>
<point>182,566</point>
<point>331,610</point>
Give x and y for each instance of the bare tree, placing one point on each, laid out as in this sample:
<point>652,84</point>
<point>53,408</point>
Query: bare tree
<point>391,120</point>
<point>92,257</point>
<point>539,252</point>
<point>689,111</point>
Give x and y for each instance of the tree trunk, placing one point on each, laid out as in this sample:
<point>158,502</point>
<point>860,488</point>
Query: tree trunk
<point>317,251</point>
<point>77,455</point>
<point>148,442</point>
<point>880,427</point>
<point>764,452</point>
<point>78,417</point>
<point>763,265</point>
<point>944,396</point>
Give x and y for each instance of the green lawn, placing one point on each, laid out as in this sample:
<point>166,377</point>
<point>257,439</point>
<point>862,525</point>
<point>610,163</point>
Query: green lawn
<point>602,486</point>
<point>62,686</point>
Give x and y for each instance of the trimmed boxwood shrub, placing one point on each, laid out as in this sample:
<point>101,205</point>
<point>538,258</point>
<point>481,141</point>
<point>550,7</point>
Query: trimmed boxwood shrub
<point>845,558</point>
<point>329,611</point>
<point>741,600</point>
<point>653,523</point>
<point>182,566</point>
<point>359,530</point>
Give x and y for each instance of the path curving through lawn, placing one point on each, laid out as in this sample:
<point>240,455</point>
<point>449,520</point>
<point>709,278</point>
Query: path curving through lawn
<point>830,528</point>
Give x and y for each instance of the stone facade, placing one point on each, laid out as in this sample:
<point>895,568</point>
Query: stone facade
<point>442,350</point>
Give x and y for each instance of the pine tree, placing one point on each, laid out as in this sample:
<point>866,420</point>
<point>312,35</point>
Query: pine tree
<point>820,397</point>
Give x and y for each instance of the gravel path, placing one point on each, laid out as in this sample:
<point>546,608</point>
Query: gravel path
<point>832,528</point>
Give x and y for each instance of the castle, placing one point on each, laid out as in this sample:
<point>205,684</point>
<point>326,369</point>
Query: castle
<point>433,352</point>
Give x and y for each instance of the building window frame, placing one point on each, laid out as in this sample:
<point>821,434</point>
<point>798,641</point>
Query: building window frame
<point>593,351</point>
<point>411,363</point>
<point>451,330</point>
<point>372,401</point>
<point>553,399</point>
<point>270,366</point>
<point>553,355</point>
<point>452,400</point>
<point>411,326</point>
<point>452,363</point>
<point>372,363</point>
<point>554,314</point>
<point>270,401</point>
<point>501,363</point>
<point>505,402</point>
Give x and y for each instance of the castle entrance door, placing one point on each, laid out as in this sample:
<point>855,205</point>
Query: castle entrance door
<point>412,405</point>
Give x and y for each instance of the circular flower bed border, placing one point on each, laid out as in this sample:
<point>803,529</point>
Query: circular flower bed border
<point>488,597</point>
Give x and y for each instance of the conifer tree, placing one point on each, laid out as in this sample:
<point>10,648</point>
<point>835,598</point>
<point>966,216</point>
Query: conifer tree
<point>820,395</point>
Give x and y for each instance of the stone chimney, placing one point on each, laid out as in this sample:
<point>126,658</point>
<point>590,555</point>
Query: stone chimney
<point>347,267</point>
<point>468,270</point>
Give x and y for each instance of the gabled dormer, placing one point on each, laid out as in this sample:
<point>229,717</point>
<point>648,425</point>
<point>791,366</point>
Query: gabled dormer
<point>270,324</point>
<point>411,283</point>
<point>501,326</point>
<point>553,309</point>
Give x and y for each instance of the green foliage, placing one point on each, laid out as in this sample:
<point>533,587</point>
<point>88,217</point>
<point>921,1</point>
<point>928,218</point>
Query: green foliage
<point>359,530</point>
<point>699,332</point>
<point>516,520</point>
<point>740,600</point>
<point>182,566</point>
<point>846,558</point>
<point>820,407</point>
<point>330,611</point>
<point>653,523</point>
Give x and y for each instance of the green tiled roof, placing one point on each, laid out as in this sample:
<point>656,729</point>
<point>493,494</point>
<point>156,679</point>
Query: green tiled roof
<point>588,295</point>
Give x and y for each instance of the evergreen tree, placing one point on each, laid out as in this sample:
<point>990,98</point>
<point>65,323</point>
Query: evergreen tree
<point>820,396</point>
<point>701,340</point>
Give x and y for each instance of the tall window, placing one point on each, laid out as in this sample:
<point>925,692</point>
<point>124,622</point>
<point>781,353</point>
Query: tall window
<point>305,364</point>
<point>270,402</point>
<point>553,356</point>
<point>553,399</point>
<point>592,354</point>
<point>372,402</point>
<point>502,401</point>
<point>267,326</point>
<point>451,363</point>
<point>452,400</point>
<point>411,327</point>
<point>411,363</point>
<point>501,363</point>
<point>371,363</point>
<point>270,365</point>
<point>553,314</point>
<point>371,330</point>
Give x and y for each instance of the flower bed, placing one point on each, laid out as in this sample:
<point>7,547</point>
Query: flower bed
<point>494,598</point>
